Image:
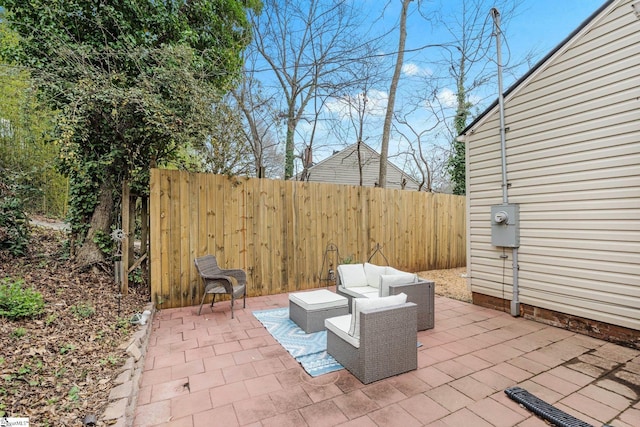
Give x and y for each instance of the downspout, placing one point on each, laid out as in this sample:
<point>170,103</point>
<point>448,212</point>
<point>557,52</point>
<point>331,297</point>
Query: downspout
<point>515,301</point>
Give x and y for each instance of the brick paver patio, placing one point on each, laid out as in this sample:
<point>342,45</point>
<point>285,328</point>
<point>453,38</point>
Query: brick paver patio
<point>210,370</point>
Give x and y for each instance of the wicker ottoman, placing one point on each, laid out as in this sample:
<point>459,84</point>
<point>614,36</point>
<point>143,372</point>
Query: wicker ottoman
<point>309,309</point>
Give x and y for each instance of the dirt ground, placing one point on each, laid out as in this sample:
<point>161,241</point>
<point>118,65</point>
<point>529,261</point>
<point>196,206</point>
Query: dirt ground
<point>451,283</point>
<point>61,366</point>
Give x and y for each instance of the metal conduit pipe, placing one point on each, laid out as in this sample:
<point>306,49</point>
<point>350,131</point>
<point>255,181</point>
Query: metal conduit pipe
<point>515,301</point>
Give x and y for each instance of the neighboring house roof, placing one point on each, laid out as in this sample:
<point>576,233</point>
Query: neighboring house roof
<point>537,66</point>
<point>342,168</point>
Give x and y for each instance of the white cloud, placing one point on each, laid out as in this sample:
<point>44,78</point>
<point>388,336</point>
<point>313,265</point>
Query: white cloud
<point>376,103</point>
<point>336,105</point>
<point>447,98</point>
<point>414,70</point>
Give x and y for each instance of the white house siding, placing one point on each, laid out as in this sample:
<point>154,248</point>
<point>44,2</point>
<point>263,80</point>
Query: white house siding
<point>573,166</point>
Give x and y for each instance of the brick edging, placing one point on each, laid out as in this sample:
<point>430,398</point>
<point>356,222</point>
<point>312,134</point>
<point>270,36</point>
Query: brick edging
<point>123,396</point>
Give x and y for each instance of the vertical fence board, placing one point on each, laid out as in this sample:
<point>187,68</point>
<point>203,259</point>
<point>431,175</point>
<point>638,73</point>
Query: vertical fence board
<point>297,237</point>
<point>202,238</point>
<point>250,232</point>
<point>193,237</point>
<point>233,225</point>
<point>164,291</point>
<point>278,231</point>
<point>174,242</point>
<point>227,224</point>
<point>210,192</point>
<point>155,264</point>
<point>264,238</point>
<point>272,234</point>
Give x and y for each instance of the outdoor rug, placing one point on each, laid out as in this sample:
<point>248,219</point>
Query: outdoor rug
<point>310,350</point>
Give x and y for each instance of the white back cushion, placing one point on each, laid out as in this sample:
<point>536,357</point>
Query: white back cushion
<point>373,273</point>
<point>391,270</point>
<point>361,304</point>
<point>395,279</point>
<point>352,275</point>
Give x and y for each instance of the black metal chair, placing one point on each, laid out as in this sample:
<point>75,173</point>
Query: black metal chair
<point>216,280</point>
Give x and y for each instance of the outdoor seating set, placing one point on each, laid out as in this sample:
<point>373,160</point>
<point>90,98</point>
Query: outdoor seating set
<point>371,320</point>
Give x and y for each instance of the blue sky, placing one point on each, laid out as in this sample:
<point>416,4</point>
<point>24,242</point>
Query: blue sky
<point>545,23</point>
<point>537,27</point>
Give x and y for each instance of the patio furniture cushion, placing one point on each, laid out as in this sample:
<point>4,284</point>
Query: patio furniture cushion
<point>373,273</point>
<point>355,281</point>
<point>359,280</point>
<point>391,270</point>
<point>309,309</point>
<point>361,304</point>
<point>399,278</point>
<point>320,299</point>
<point>352,275</point>
<point>365,292</point>
<point>340,325</point>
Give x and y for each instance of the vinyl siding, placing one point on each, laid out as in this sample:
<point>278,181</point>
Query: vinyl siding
<point>342,168</point>
<point>573,166</point>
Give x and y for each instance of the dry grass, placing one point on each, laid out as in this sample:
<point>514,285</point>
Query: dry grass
<point>450,283</point>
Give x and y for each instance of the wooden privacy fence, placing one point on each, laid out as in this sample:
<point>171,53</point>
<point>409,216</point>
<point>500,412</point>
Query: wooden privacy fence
<point>288,235</point>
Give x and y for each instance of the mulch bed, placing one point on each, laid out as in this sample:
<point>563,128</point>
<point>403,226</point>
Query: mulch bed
<point>60,367</point>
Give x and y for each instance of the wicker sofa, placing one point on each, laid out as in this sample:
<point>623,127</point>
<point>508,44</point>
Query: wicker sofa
<point>377,340</point>
<point>372,281</point>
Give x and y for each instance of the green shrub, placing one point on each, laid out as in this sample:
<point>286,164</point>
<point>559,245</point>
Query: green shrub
<point>17,302</point>
<point>136,277</point>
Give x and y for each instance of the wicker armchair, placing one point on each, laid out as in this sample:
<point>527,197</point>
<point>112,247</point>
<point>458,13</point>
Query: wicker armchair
<point>215,280</point>
<point>387,344</point>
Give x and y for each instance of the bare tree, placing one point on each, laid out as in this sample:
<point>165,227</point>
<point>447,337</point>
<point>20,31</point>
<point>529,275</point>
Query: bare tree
<point>305,44</point>
<point>359,108</point>
<point>386,130</point>
<point>259,120</point>
<point>418,150</point>
<point>469,65</point>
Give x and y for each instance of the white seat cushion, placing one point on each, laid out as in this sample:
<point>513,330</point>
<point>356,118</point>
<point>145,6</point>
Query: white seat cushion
<point>362,304</point>
<point>320,299</point>
<point>395,279</point>
<point>373,272</point>
<point>364,291</point>
<point>352,275</point>
<point>340,326</point>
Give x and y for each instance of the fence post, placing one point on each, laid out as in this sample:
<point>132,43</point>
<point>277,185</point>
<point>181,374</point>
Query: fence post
<point>124,214</point>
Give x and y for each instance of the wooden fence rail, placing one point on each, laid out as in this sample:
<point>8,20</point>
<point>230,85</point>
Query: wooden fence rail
<point>282,232</point>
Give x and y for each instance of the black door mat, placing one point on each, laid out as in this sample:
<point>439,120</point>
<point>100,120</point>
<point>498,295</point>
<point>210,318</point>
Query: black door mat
<point>543,409</point>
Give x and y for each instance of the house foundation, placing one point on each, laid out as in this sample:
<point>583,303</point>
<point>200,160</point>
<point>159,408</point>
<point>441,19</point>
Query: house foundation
<point>605,331</point>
